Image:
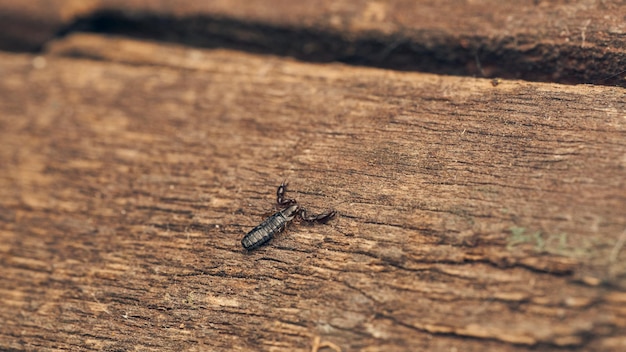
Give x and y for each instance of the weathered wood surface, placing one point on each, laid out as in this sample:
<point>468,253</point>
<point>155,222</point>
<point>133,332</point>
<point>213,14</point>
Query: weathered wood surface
<point>553,41</point>
<point>474,215</point>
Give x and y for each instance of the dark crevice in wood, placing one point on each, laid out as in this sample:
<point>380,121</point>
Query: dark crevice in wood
<point>411,50</point>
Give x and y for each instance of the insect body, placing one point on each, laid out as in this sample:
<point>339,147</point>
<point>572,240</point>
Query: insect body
<point>276,223</point>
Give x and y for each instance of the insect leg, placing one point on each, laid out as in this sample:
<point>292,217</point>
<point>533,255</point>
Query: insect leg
<point>280,195</point>
<point>320,218</point>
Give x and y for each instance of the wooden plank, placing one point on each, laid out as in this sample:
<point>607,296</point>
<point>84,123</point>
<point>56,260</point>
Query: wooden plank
<point>554,41</point>
<point>473,215</point>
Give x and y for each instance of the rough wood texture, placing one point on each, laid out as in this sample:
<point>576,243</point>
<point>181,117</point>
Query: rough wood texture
<point>553,41</point>
<point>474,215</point>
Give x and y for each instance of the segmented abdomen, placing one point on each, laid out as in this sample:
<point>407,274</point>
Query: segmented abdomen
<point>264,232</point>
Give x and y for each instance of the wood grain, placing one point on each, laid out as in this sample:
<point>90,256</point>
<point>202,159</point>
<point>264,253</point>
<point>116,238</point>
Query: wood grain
<point>551,41</point>
<point>472,215</point>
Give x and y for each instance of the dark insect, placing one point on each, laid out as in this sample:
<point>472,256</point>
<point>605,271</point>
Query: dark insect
<point>276,223</point>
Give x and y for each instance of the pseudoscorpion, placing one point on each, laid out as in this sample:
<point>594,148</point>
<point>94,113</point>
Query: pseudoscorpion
<point>276,223</point>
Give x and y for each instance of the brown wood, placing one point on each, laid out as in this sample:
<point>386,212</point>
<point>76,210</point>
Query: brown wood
<point>553,41</point>
<point>474,214</point>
